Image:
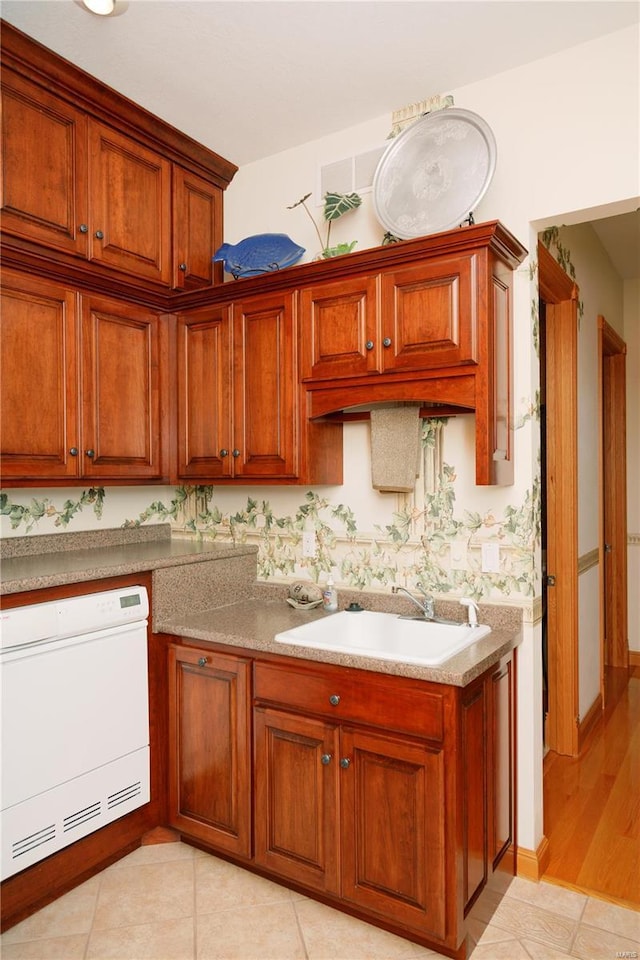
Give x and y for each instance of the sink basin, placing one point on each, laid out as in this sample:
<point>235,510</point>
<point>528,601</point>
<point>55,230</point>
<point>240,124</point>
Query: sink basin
<point>385,636</point>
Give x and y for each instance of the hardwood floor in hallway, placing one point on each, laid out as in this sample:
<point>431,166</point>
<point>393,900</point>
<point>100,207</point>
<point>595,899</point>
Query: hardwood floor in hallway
<point>592,802</point>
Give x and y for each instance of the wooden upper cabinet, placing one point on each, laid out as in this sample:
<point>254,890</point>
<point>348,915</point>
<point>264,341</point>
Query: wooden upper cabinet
<point>110,194</point>
<point>265,412</point>
<point>419,317</point>
<point>204,394</point>
<point>122,379</point>
<point>338,329</point>
<point>429,315</point>
<point>44,167</point>
<point>197,230</point>
<point>130,202</point>
<point>39,418</point>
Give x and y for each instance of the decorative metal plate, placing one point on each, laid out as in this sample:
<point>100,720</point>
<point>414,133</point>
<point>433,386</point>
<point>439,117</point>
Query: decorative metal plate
<point>433,175</point>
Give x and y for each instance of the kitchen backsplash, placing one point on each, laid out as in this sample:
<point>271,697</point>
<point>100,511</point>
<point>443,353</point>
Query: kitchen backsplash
<point>427,538</point>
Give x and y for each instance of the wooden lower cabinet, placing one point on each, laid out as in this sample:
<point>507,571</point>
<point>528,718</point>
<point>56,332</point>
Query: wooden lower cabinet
<point>389,797</point>
<point>296,797</point>
<point>393,850</point>
<point>210,748</point>
<point>353,813</point>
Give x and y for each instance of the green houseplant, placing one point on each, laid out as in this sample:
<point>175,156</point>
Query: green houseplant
<point>335,206</point>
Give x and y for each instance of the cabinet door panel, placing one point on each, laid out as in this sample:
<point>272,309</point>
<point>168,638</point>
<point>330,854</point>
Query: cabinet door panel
<point>393,811</point>
<point>44,155</point>
<point>296,797</point>
<point>130,193</point>
<point>474,738</point>
<point>39,379</point>
<point>121,390</point>
<point>501,802</point>
<point>339,329</point>
<point>209,748</point>
<point>429,315</point>
<point>204,395</point>
<point>197,219</point>
<point>265,388</point>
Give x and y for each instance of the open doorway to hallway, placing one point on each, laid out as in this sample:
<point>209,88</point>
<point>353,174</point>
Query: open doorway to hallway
<point>591,714</point>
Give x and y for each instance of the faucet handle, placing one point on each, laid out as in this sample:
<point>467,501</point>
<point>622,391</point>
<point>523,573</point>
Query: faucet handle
<point>473,609</point>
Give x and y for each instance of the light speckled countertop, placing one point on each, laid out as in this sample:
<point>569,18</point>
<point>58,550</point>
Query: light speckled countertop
<point>33,563</point>
<point>252,624</point>
<point>207,591</point>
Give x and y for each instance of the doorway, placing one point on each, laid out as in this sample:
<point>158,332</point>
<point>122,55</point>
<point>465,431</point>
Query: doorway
<point>559,312</point>
<point>614,651</point>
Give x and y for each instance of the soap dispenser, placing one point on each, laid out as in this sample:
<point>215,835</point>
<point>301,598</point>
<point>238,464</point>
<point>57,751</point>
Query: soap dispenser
<point>330,596</point>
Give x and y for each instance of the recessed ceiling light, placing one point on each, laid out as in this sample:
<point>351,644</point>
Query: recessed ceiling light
<point>104,8</point>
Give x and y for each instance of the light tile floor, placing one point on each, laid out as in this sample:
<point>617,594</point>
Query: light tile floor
<point>171,902</point>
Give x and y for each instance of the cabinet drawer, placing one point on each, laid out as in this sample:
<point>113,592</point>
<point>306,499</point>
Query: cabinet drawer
<point>392,703</point>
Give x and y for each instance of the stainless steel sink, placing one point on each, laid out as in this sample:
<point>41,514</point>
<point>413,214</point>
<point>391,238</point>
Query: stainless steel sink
<point>385,636</point>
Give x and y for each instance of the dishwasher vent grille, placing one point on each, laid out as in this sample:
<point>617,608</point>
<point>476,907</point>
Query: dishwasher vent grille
<point>33,841</point>
<point>75,820</point>
<point>26,841</point>
<point>124,795</point>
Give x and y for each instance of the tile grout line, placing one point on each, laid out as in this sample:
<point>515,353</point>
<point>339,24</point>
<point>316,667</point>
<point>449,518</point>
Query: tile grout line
<point>194,951</point>
<point>300,930</point>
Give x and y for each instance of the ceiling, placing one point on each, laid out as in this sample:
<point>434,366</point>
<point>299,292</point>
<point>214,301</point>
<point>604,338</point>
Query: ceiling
<point>250,78</point>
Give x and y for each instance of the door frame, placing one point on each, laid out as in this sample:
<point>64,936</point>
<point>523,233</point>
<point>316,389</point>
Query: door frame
<point>560,296</point>
<point>614,642</point>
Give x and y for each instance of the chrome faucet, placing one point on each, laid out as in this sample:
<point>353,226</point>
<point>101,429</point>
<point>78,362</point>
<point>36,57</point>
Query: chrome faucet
<point>427,608</point>
<point>472,606</point>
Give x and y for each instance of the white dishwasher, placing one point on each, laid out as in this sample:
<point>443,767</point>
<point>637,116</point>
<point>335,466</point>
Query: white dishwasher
<point>75,720</point>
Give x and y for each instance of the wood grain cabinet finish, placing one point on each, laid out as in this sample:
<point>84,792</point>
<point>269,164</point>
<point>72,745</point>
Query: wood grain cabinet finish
<point>130,204</point>
<point>210,748</point>
<point>39,408</point>
<point>265,439</point>
<point>409,319</point>
<point>424,321</point>
<point>122,386</point>
<point>241,412</point>
<point>370,800</point>
<point>389,797</point>
<point>197,230</point>
<point>297,771</point>
<point>81,386</point>
<point>204,394</point>
<point>87,175</point>
<point>44,167</point>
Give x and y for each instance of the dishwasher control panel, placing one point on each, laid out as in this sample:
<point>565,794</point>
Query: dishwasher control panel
<point>73,616</point>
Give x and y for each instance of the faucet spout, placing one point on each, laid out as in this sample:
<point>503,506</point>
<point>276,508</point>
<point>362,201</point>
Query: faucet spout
<point>472,607</point>
<point>427,607</point>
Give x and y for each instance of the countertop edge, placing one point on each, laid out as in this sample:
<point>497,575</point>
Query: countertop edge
<point>460,670</point>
